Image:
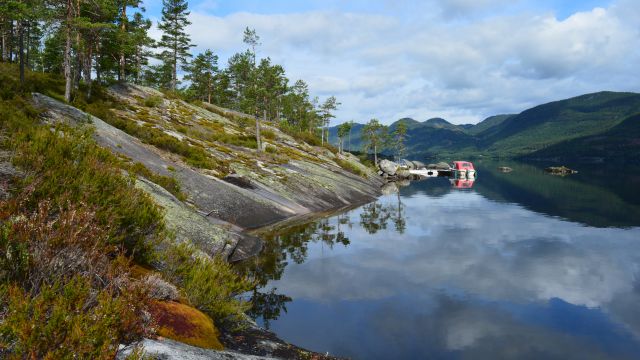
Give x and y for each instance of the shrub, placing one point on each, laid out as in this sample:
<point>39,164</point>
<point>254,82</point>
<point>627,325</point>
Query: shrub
<point>66,289</point>
<point>210,284</point>
<point>271,149</point>
<point>64,321</point>
<point>345,164</point>
<point>159,289</point>
<point>268,134</point>
<point>67,166</point>
<point>153,101</point>
<point>167,182</point>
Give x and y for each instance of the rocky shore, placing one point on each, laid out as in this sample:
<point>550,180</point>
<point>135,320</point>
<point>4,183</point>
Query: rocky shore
<point>218,206</point>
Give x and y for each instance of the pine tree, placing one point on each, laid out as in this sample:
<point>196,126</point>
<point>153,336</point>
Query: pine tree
<point>326,113</point>
<point>202,73</point>
<point>375,136</point>
<point>175,40</point>
<point>399,135</point>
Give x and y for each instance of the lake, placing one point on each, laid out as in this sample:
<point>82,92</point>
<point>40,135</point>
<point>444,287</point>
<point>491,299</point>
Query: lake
<point>521,265</point>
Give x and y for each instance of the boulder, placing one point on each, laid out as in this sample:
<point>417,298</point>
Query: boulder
<point>389,167</point>
<point>418,164</point>
<point>389,188</point>
<point>560,170</point>
<point>403,174</point>
<point>438,166</point>
<point>505,169</point>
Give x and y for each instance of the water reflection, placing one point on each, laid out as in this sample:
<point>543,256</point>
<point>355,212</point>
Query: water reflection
<point>433,272</point>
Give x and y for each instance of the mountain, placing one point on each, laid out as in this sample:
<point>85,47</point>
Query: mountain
<point>488,123</point>
<point>619,144</point>
<point>552,123</point>
<point>597,122</point>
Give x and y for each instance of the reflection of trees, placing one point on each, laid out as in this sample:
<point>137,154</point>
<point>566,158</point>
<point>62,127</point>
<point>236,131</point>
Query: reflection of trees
<point>399,219</point>
<point>282,246</point>
<point>374,217</point>
<point>268,306</point>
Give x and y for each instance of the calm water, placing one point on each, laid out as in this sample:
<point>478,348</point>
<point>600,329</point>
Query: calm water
<point>522,265</point>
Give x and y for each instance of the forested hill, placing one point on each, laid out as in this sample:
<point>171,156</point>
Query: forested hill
<point>597,116</point>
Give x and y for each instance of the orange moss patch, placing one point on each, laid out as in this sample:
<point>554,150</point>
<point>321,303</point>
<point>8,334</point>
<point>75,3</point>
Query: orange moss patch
<point>185,324</point>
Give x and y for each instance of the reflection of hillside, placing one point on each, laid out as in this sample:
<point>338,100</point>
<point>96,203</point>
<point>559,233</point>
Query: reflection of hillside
<point>596,203</point>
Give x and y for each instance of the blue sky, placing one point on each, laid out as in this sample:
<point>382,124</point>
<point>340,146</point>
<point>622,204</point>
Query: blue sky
<point>462,60</point>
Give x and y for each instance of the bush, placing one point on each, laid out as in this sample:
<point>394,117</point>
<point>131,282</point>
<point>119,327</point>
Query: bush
<point>66,290</point>
<point>66,166</point>
<point>167,182</point>
<point>153,101</point>
<point>345,164</point>
<point>65,321</point>
<point>271,149</point>
<point>210,284</point>
<point>268,134</point>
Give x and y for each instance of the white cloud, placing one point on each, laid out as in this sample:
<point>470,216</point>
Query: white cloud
<point>415,63</point>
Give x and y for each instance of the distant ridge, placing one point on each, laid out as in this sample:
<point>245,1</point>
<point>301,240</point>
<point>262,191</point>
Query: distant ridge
<point>534,131</point>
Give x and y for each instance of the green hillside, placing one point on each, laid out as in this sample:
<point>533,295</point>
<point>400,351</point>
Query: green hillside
<point>551,123</point>
<point>595,121</point>
<point>619,144</point>
<point>488,123</point>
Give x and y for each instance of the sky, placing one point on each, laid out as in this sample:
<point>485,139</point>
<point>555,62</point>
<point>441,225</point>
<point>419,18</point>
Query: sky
<point>462,60</point>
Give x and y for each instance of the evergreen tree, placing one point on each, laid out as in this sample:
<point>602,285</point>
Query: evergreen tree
<point>399,135</point>
<point>374,135</point>
<point>202,73</point>
<point>139,46</point>
<point>326,113</point>
<point>175,40</point>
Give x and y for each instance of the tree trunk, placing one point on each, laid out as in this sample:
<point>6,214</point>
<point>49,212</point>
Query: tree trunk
<point>20,25</point>
<point>5,41</point>
<point>88,59</point>
<point>174,76</point>
<point>349,139</point>
<point>67,54</point>
<point>258,139</point>
<point>28,47</point>
<point>136,76</point>
<point>11,39</point>
<point>123,29</point>
<point>375,154</point>
<point>98,58</point>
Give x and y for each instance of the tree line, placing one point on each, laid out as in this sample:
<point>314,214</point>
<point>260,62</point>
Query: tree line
<point>103,42</point>
<point>375,137</point>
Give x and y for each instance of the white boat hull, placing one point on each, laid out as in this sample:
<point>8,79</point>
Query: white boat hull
<point>424,172</point>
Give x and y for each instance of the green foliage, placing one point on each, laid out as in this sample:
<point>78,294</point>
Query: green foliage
<point>193,155</point>
<point>375,136</point>
<point>63,283</point>
<point>268,134</point>
<point>168,183</point>
<point>271,149</point>
<point>202,73</point>
<point>153,101</point>
<point>210,284</point>
<point>175,40</point>
<point>66,321</point>
<point>347,165</point>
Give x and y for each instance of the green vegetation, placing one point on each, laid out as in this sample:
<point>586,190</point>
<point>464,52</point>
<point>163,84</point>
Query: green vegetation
<point>71,230</point>
<point>210,284</point>
<point>347,165</point>
<point>153,101</point>
<point>534,133</point>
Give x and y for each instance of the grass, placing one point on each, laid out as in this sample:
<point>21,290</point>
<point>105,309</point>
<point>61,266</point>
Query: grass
<point>210,284</point>
<point>153,101</point>
<point>347,165</point>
